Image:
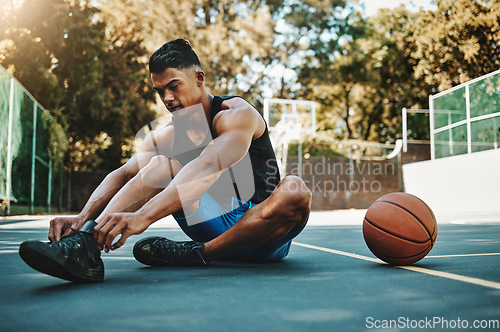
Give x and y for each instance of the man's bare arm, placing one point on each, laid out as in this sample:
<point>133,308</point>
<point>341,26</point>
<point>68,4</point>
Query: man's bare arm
<point>106,190</point>
<point>236,129</point>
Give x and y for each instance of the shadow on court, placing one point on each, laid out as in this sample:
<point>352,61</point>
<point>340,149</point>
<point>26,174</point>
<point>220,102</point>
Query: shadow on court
<point>312,290</point>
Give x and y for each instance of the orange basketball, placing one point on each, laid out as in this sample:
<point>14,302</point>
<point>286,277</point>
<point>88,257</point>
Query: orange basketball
<point>399,228</point>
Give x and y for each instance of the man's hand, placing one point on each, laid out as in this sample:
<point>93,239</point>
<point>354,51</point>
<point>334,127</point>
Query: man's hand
<point>113,224</point>
<point>63,226</point>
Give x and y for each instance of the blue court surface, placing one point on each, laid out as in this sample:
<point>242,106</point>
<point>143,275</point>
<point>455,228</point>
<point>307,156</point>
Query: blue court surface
<point>329,282</point>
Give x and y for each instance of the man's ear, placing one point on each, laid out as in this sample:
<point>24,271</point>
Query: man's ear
<point>200,77</point>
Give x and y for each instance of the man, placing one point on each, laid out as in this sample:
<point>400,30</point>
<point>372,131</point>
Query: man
<point>212,167</point>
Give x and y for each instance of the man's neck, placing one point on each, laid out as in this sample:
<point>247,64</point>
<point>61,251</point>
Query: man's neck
<point>195,118</point>
<point>207,104</point>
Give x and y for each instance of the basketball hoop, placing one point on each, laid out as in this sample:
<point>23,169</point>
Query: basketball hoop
<point>288,120</point>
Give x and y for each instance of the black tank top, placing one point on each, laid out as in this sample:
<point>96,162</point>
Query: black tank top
<point>263,163</point>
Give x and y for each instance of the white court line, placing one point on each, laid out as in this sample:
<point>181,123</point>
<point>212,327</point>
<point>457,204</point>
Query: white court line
<point>453,276</point>
<point>338,252</point>
<point>465,255</point>
<point>9,251</point>
<point>121,258</point>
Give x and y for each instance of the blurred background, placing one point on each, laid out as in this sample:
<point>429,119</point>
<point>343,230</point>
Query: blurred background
<point>75,89</point>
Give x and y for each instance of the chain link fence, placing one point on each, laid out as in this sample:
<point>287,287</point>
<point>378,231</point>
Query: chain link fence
<point>30,176</point>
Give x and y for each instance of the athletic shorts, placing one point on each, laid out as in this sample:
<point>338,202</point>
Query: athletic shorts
<point>211,220</point>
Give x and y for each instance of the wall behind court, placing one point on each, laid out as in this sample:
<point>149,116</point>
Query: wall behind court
<point>343,183</point>
<point>463,183</point>
<point>336,183</point>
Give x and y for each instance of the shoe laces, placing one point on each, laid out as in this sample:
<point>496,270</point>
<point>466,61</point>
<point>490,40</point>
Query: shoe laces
<point>71,241</point>
<point>172,250</point>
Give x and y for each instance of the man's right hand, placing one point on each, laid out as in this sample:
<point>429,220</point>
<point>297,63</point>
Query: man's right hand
<point>62,226</point>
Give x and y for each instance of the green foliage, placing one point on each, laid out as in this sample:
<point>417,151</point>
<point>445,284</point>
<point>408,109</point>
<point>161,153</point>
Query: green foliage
<point>325,144</point>
<point>458,42</point>
<point>90,78</point>
<point>228,36</point>
<point>57,141</point>
<point>397,59</point>
<point>316,145</point>
<point>238,42</point>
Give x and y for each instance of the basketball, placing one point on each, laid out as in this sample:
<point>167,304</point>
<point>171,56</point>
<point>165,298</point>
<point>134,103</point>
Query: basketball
<point>399,228</point>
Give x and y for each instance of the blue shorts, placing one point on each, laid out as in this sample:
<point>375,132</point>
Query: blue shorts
<point>211,220</point>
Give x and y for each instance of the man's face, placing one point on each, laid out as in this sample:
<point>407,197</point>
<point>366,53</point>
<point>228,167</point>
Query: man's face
<point>179,88</point>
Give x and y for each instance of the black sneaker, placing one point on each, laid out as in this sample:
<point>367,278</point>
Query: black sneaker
<point>159,251</point>
<point>75,257</point>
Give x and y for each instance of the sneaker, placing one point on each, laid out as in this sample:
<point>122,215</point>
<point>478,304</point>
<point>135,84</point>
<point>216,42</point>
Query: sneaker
<point>159,251</point>
<point>75,257</point>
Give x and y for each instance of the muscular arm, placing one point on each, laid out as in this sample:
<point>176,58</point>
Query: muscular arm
<point>106,190</point>
<point>236,127</point>
<point>157,142</point>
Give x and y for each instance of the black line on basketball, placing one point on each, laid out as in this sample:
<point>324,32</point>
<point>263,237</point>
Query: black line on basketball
<point>406,257</point>
<point>402,207</point>
<point>395,235</point>
<point>433,218</point>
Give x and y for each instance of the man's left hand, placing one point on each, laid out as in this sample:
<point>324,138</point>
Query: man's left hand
<point>114,224</point>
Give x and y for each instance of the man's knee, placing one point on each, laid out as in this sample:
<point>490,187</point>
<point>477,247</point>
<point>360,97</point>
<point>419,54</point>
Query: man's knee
<point>291,200</point>
<point>295,192</point>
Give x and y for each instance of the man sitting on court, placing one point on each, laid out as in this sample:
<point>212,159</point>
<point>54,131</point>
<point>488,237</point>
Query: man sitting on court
<point>212,167</point>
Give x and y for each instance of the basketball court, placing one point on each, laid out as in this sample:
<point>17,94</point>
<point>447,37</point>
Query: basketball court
<point>329,281</point>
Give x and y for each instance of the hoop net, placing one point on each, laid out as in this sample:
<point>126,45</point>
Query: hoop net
<point>284,132</point>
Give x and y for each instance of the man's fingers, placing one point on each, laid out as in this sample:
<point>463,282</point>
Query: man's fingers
<point>102,229</point>
<point>117,229</point>
<point>51,233</point>
<point>98,227</point>
<point>121,241</point>
<point>67,232</point>
<point>110,227</point>
<point>55,230</point>
<point>52,230</point>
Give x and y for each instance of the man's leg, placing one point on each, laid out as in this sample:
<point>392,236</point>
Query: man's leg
<point>77,257</point>
<point>285,211</point>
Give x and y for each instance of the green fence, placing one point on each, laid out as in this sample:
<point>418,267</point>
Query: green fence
<point>30,182</point>
<point>466,118</point>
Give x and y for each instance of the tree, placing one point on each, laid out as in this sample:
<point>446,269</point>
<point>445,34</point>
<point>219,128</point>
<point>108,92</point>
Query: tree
<point>391,84</point>
<point>333,88</point>
<point>457,42</point>
<point>241,41</point>
<point>397,59</point>
<point>93,80</point>
<point>232,38</point>
<point>331,75</point>
<point>421,53</point>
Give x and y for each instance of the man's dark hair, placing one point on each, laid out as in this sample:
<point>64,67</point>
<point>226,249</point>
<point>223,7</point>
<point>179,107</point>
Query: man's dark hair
<point>174,54</point>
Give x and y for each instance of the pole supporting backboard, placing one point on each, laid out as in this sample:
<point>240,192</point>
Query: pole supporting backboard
<point>431,125</point>
<point>9,144</point>
<point>33,159</point>
<point>404,125</point>
<point>405,130</point>
<point>467,115</point>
